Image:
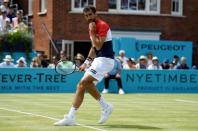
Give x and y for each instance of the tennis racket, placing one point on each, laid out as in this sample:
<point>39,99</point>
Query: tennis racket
<point>65,67</point>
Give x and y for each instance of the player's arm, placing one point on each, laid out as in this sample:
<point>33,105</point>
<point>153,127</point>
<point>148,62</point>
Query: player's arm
<point>92,53</point>
<point>97,41</point>
<point>89,59</point>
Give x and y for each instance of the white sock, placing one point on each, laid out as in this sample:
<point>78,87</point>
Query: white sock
<point>72,112</point>
<point>102,103</point>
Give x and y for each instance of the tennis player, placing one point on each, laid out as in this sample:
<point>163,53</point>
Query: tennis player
<point>101,59</point>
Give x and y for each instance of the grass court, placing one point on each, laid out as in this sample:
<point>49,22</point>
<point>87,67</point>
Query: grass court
<point>132,112</point>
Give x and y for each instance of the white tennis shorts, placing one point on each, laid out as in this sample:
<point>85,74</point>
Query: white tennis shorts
<point>99,67</point>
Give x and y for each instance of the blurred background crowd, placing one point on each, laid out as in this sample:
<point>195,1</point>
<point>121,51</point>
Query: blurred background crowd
<point>148,61</point>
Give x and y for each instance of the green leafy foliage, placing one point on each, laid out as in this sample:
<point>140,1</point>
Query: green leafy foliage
<point>18,38</point>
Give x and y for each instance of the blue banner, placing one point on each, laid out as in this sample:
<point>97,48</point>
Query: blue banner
<point>162,49</point>
<point>24,80</point>
<point>29,80</point>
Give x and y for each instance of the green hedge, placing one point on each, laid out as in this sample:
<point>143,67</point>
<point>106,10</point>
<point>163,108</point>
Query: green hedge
<point>20,41</point>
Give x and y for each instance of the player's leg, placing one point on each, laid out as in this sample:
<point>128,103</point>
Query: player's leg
<point>87,83</point>
<point>106,82</point>
<point>100,66</point>
<point>95,72</point>
<point>106,107</point>
<point>69,119</point>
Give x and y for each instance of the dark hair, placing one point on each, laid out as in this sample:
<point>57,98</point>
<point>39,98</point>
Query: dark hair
<point>88,8</point>
<point>175,56</point>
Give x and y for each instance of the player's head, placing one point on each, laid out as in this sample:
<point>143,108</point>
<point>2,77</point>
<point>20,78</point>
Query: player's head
<point>90,13</point>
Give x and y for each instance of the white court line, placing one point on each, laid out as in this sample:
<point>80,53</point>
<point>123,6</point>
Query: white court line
<point>10,116</point>
<point>48,117</point>
<point>187,101</point>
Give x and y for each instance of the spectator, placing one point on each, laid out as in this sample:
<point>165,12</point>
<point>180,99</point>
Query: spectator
<point>79,59</point>
<point>142,63</point>
<point>34,63</point>
<point>21,62</point>
<point>155,64</point>
<point>11,14</point>
<point>7,62</point>
<point>41,58</point>
<point>18,19</point>
<point>115,73</point>
<point>53,63</point>
<point>38,60</point>
<point>3,19</point>
<point>122,58</point>
<point>5,6</point>
<point>18,23</point>
<point>65,62</point>
<point>183,64</point>
<point>194,67</point>
<point>8,26</point>
<point>149,58</point>
<point>175,62</point>
<point>165,64</point>
<point>172,64</point>
<point>130,64</point>
<point>63,55</point>
<point>44,62</point>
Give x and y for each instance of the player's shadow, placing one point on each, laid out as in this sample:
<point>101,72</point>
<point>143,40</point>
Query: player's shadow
<point>133,127</point>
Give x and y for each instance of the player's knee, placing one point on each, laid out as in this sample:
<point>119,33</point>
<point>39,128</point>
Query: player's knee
<point>80,87</point>
<point>82,84</point>
<point>85,83</point>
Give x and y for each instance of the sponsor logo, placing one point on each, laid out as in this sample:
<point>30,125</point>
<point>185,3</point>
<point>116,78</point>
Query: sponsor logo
<point>159,47</point>
<point>93,71</point>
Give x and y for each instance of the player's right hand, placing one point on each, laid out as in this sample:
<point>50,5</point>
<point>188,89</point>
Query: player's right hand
<point>92,25</point>
<point>82,67</point>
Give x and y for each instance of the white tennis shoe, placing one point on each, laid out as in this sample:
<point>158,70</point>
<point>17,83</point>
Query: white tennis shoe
<point>105,91</point>
<point>105,114</point>
<point>66,121</point>
<point>121,91</point>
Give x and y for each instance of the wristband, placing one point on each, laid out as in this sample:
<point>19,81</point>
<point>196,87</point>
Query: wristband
<point>88,61</point>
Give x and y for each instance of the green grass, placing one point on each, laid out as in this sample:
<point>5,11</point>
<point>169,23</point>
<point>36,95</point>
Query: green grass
<point>133,112</point>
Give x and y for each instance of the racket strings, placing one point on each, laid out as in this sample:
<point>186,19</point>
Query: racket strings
<point>65,67</point>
